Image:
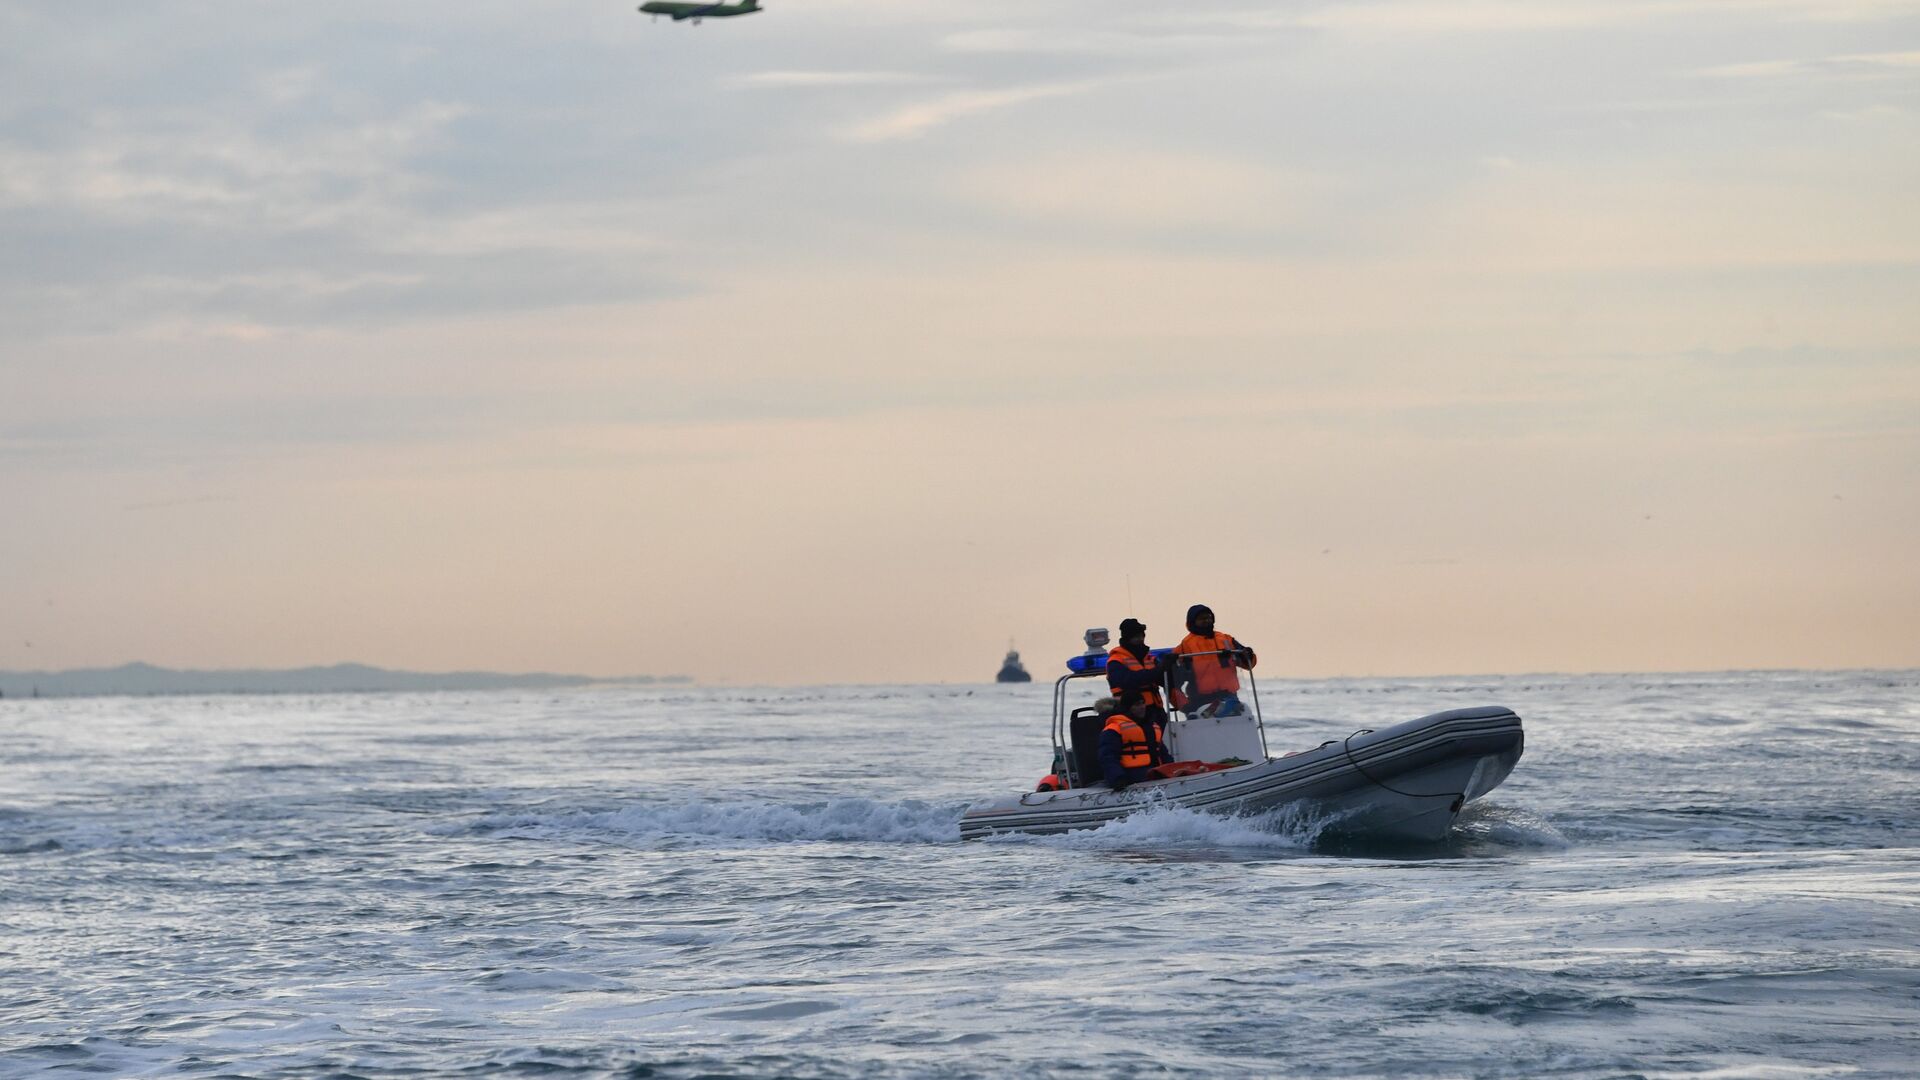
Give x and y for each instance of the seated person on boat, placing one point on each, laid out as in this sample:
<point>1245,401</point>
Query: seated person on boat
<point>1128,752</point>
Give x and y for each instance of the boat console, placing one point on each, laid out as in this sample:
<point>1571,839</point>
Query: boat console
<point>1215,738</point>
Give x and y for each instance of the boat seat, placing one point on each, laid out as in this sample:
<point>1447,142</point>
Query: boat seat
<point>1083,730</point>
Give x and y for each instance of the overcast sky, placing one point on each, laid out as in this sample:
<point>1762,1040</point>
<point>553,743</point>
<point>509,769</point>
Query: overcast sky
<point>849,340</point>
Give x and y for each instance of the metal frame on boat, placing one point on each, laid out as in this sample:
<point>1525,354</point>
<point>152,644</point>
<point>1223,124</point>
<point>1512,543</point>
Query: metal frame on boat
<point>1062,716</point>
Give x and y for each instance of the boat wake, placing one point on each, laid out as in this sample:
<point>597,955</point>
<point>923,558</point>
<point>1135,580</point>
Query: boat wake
<point>1294,828</point>
<point>1301,828</point>
<point>1173,827</point>
<point>668,824</point>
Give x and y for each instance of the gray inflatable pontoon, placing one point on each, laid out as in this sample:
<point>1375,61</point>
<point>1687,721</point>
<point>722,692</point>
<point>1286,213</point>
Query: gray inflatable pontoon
<point>1408,781</point>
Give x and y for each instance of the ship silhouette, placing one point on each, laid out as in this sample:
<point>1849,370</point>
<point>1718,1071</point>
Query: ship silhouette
<point>1011,671</point>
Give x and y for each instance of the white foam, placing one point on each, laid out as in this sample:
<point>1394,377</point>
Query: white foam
<point>1756,1070</point>
<point>1170,826</point>
<point>1509,826</point>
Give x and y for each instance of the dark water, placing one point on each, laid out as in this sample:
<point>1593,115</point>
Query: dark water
<point>1713,875</point>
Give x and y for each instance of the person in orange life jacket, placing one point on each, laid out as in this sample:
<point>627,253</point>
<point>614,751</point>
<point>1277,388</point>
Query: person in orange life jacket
<point>1126,750</point>
<point>1214,678</point>
<point>1132,666</point>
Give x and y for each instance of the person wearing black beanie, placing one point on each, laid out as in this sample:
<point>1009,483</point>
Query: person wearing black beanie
<point>1132,666</point>
<point>1212,660</point>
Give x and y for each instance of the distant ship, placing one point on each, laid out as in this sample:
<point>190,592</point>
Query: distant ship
<point>1011,671</point>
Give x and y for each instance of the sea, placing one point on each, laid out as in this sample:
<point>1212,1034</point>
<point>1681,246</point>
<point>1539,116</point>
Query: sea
<point>1699,875</point>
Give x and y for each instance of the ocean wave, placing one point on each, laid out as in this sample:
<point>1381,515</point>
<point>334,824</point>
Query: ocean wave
<point>1524,1006</point>
<point>551,981</point>
<point>77,837</point>
<point>844,820</point>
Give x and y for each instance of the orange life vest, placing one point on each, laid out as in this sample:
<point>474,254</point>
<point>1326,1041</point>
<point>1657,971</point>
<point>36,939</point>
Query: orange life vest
<point>1135,753</point>
<point>1124,657</point>
<point>1212,674</point>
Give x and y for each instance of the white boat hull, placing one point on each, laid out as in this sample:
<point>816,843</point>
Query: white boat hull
<point>1405,782</point>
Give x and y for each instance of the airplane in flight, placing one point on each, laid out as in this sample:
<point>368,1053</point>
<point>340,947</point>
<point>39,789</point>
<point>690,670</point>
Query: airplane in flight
<point>682,9</point>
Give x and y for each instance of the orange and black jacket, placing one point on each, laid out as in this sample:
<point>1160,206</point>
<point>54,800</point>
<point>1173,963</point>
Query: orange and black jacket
<point>1128,670</point>
<point>1214,674</point>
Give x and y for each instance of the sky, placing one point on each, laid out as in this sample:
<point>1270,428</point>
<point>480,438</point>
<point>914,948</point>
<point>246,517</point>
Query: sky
<point>853,340</point>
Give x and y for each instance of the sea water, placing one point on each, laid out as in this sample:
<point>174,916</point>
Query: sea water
<point>1686,876</point>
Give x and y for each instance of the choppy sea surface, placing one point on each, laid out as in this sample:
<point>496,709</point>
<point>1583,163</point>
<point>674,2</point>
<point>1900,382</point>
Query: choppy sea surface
<point>1712,875</point>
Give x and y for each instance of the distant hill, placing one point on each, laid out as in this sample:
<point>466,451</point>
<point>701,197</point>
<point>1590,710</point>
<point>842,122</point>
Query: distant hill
<point>340,678</point>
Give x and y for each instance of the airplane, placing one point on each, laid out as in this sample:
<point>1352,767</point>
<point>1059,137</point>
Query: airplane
<point>682,9</point>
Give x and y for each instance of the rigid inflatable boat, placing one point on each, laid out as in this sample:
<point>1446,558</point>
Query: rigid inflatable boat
<point>1406,782</point>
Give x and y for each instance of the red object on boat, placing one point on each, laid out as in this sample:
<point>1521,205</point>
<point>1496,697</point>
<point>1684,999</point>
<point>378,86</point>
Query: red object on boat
<point>1184,768</point>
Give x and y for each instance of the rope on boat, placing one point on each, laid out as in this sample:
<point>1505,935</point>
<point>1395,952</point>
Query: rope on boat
<point>1345,745</point>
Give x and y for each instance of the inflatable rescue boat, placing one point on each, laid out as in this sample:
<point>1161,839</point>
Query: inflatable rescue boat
<point>1408,781</point>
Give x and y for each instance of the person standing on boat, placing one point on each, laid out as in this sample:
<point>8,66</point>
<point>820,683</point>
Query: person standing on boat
<point>1132,666</point>
<point>1215,671</point>
<point>1126,748</point>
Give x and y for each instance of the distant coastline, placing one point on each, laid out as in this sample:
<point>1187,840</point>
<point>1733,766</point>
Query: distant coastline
<point>146,679</point>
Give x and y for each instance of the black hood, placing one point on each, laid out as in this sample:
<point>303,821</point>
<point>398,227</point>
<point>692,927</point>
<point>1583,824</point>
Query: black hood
<point>1195,612</point>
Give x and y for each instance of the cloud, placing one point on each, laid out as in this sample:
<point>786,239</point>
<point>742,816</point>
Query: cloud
<point>805,79</point>
<point>1090,42</point>
<point>917,119</point>
<point>1880,65</point>
<point>194,169</point>
<point>341,286</point>
<point>1136,191</point>
<point>596,228</point>
<point>1654,215</point>
<point>1476,16</point>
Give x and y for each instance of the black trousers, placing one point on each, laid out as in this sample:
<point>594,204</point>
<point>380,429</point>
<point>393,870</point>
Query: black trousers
<point>1156,734</point>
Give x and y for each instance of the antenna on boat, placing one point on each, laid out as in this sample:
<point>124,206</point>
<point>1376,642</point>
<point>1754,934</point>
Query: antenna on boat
<point>1129,596</point>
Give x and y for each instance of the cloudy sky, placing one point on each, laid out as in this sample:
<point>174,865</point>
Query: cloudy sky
<point>846,341</point>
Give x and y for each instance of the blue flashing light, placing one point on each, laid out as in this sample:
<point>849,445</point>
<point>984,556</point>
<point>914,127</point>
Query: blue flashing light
<point>1091,662</point>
